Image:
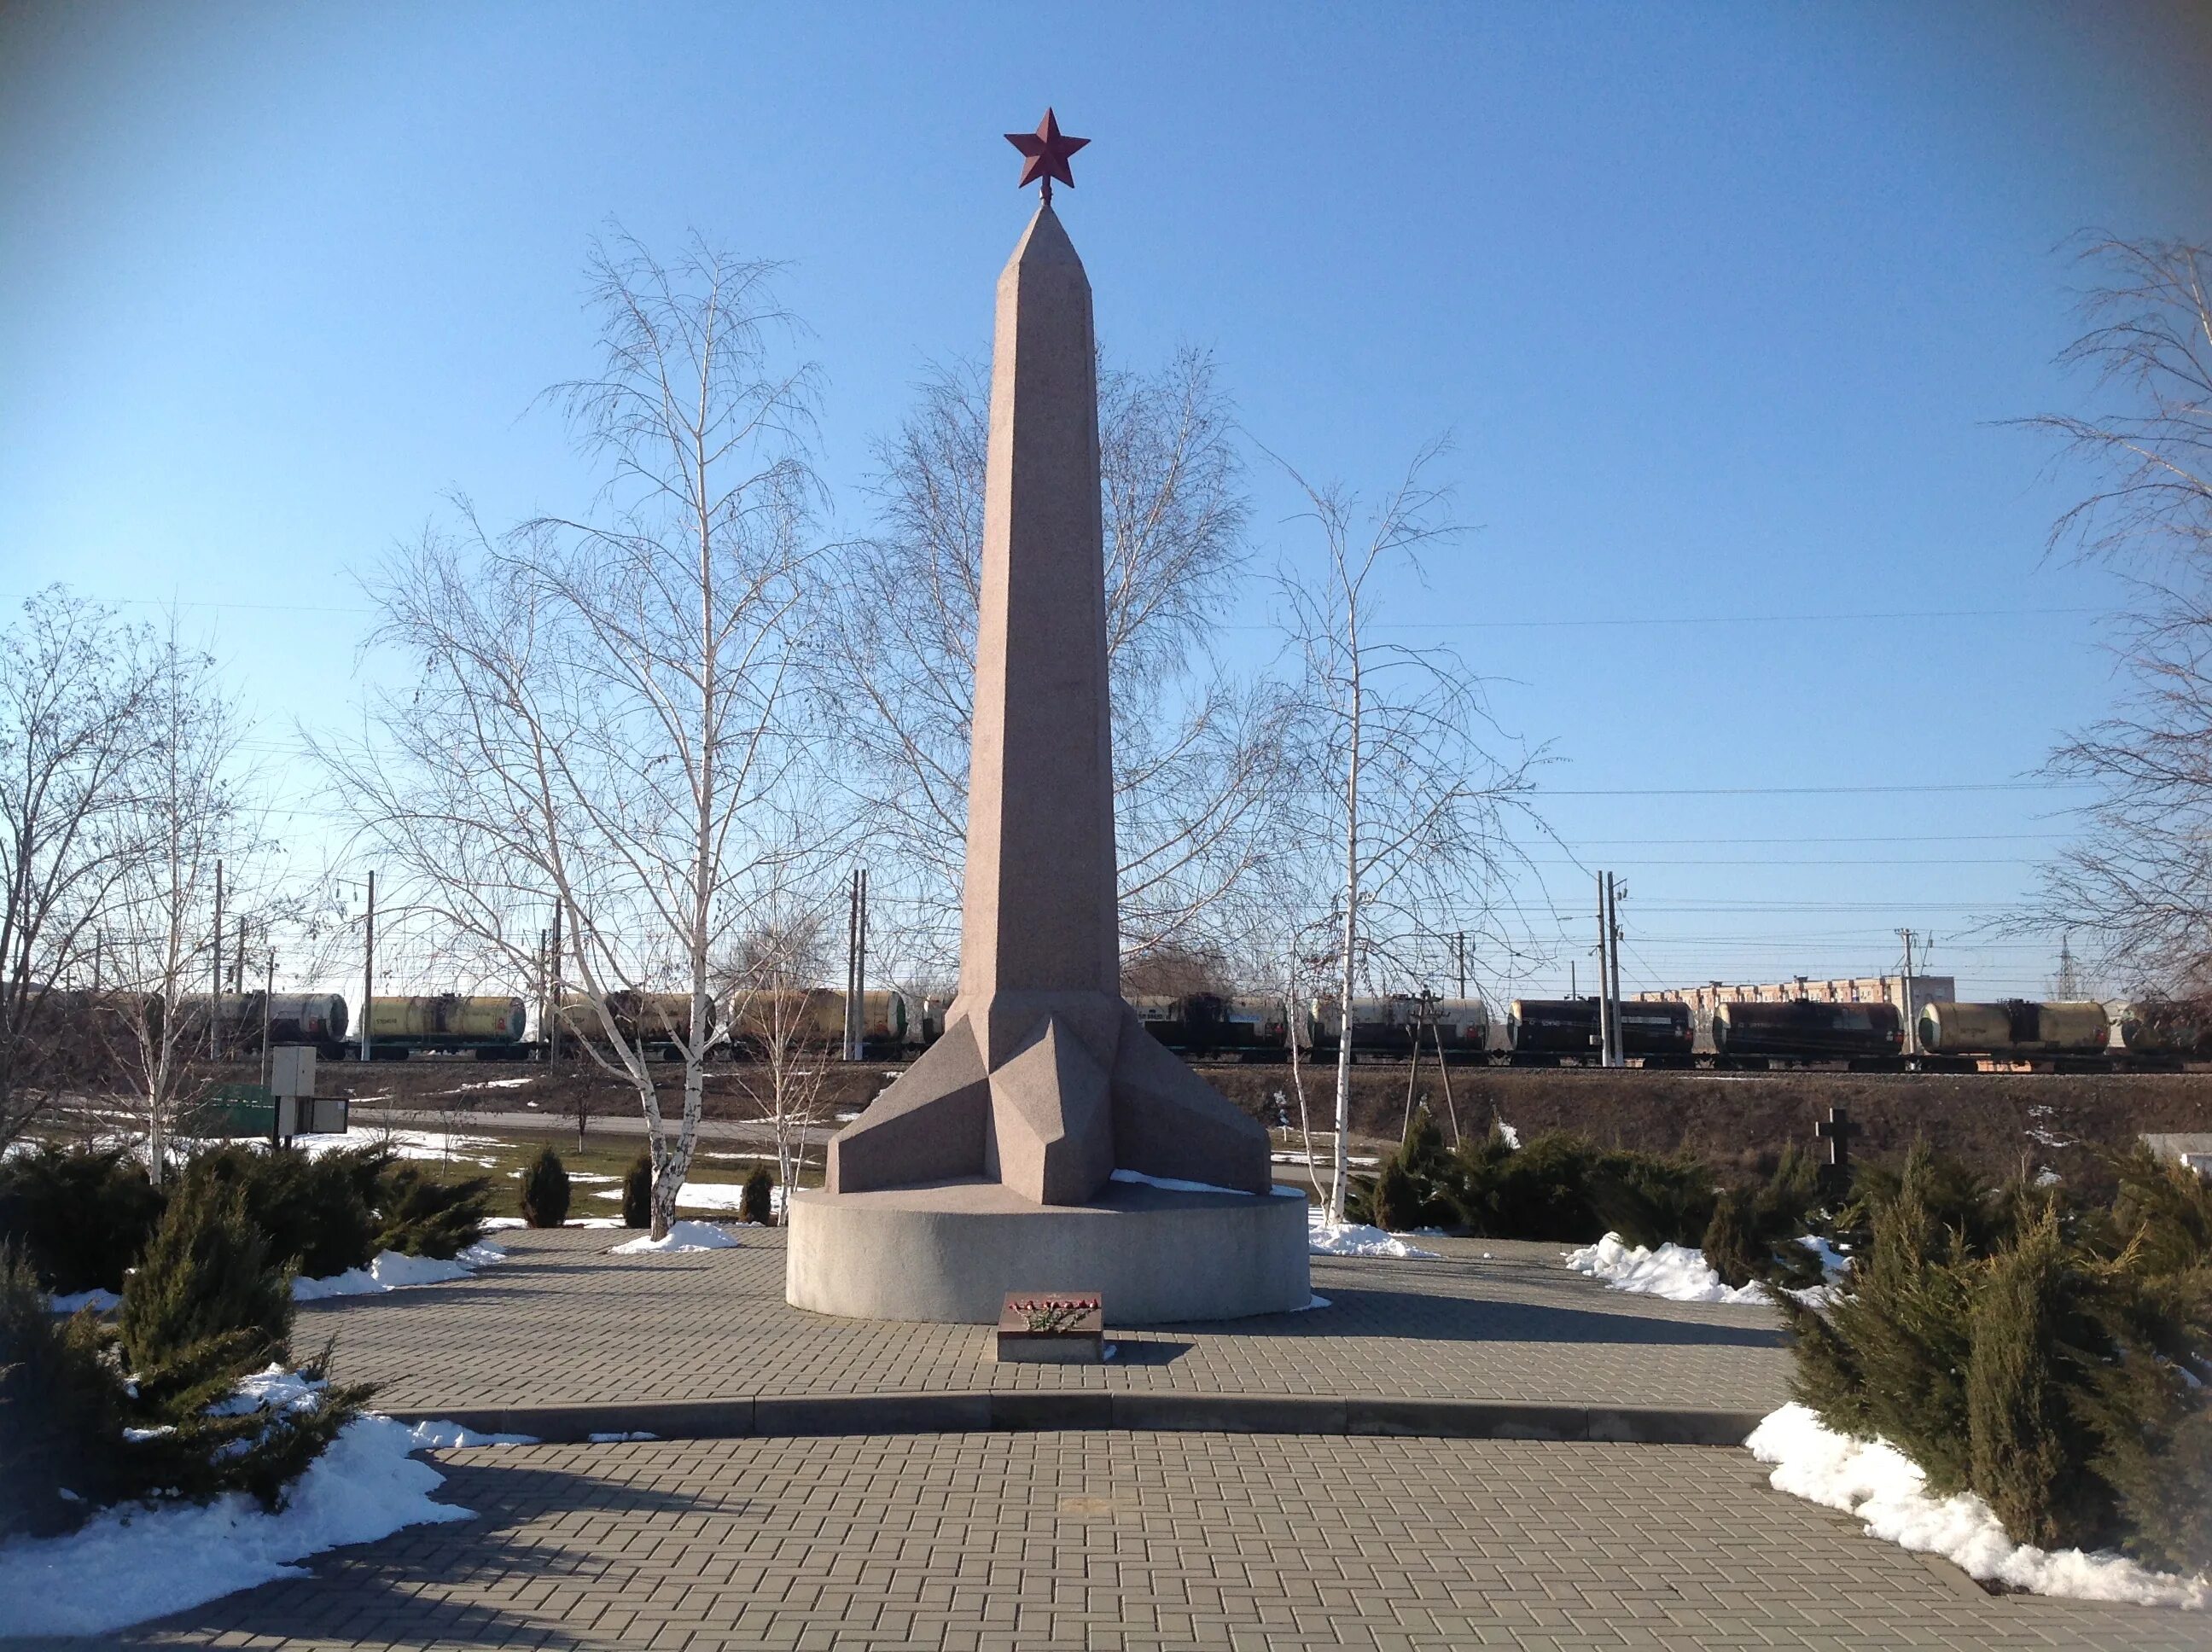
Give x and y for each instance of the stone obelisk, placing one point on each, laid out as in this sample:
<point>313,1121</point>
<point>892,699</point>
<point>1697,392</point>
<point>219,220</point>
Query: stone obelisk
<point>1044,1080</point>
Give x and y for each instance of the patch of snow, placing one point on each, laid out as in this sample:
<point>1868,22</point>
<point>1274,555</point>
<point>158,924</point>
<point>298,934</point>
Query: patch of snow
<point>619,1439</point>
<point>1357,1161</point>
<point>2049,1138</point>
<point>1509,1135</point>
<point>682,1236</point>
<point>438,1434</point>
<point>710,1196</point>
<point>1175,1187</point>
<point>505,1221</point>
<point>1677,1272</point>
<point>1834,1263</point>
<point>1313,1302</point>
<point>103,1301</point>
<point>590,1176</point>
<point>1324,1238</point>
<point>2047,1177</point>
<point>139,1561</point>
<point>407,1144</point>
<point>1882,1486</point>
<point>396,1271</point>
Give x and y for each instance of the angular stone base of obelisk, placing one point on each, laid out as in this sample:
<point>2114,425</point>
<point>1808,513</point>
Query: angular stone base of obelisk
<point>949,1252</point>
<point>1049,1092</point>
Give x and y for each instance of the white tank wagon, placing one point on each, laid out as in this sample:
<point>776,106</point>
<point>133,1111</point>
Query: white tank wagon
<point>2015,1030</point>
<point>1391,1025</point>
<point>493,1029</point>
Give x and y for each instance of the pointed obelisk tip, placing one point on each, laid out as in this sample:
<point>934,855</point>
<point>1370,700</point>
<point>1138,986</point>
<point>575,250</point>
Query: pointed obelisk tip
<point>1045,242</point>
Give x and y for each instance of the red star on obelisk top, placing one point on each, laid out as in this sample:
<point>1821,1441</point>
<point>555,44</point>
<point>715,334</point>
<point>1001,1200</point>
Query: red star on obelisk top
<point>1047,149</point>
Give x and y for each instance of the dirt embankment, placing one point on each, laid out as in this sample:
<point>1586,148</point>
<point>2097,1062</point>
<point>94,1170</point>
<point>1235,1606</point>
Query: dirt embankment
<point>1994,1120</point>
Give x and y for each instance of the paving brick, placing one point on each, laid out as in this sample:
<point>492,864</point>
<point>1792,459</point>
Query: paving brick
<point>563,1322</point>
<point>1172,1539</point>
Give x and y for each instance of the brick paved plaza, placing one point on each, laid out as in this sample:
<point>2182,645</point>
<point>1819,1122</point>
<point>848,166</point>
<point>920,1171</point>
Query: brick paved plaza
<point>563,1321</point>
<point>1106,1537</point>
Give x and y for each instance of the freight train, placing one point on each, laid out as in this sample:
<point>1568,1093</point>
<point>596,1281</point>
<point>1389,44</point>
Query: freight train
<point>1536,1032</point>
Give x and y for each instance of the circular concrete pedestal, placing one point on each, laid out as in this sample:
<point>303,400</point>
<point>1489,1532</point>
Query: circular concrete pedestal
<point>948,1253</point>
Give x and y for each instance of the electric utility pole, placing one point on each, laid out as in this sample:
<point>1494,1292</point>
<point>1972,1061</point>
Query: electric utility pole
<point>1459,943</point>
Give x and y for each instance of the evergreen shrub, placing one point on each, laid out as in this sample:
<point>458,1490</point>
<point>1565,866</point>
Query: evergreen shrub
<point>757,1202</point>
<point>637,1192</point>
<point>318,1213</point>
<point>2053,1357</point>
<point>418,1214</point>
<point>545,1190</point>
<point>80,1216</point>
<point>1731,1243</point>
<point>207,1277</point>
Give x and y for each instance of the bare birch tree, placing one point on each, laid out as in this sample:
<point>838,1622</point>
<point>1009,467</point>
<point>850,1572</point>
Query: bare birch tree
<point>75,687</point>
<point>187,816</point>
<point>1406,779</point>
<point>604,720</point>
<point>2140,879</point>
<point>779,1012</point>
<point>1195,746</point>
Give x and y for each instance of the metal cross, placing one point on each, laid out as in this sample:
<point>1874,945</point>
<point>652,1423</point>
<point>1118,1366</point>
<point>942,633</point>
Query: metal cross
<point>1837,1130</point>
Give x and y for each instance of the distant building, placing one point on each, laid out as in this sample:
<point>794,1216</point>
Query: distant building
<point>1908,993</point>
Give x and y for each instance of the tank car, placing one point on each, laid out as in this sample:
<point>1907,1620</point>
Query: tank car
<point>814,1018</point>
<point>1537,1028</point>
<point>1560,1028</point>
<point>2163,1029</point>
<point>1808,1030</point>
<point>239,1019</point>
<point>1392,1025</point>
<point>493,1029</point>
<point>2015,1028</point>
<point>1208,1024</point>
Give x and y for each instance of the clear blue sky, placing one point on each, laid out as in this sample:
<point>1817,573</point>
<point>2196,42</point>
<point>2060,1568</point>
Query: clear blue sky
<point>1722,304</point>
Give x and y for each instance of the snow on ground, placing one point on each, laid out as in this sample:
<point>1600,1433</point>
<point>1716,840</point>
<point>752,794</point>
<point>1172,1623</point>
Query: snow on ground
<point>99,1301</point>
<point>1324,1238</point>
<point>1175,1187</point>
<point>1678,1273</point>
<point>682,1236</point>
<point>1357,1161</point>
<point>712,1196</point>
<point>441,1435</point>
<point>1509,1135</point>
<point>396,1270</point>
<point>144,1560</point>
<point>1881,1486</point>
<point>408,1144</point>
<point>1313,1302</point>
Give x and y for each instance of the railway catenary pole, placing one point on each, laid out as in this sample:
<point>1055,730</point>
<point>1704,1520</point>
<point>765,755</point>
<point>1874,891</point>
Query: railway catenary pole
<point>215,1004</point>
<point>852,950</point>
<point>860,975</point>
<point>268,999</point>
<point>1459,946</point>
<point>368,966</point>
<point>1905,995</point>
<point>553,1035</point>
<point>1604,1007</point>
<point>1613,977</point>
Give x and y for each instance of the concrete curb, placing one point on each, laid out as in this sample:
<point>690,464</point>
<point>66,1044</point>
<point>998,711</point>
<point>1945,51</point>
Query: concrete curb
<point>1030,1410</point>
